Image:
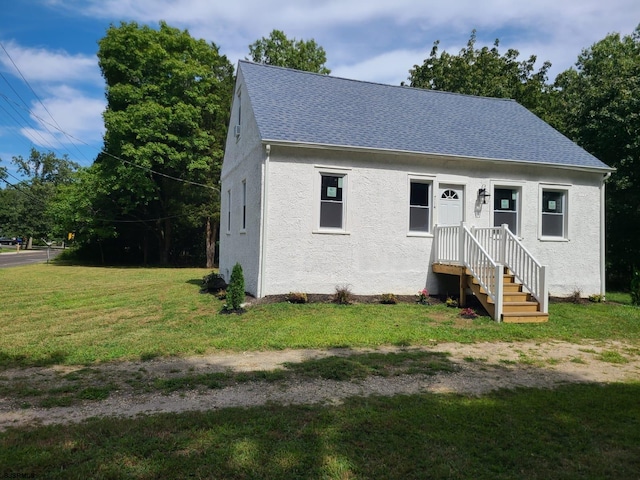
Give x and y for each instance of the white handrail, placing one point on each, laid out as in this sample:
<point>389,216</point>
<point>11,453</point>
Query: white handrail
<point>507,249</point>
<point>458,244</point>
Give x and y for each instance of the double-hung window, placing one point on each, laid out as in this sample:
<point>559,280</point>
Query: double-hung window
<point>332,201</point>
<point>506,208</point>
<point>419,206</point>
<point>554,213</point>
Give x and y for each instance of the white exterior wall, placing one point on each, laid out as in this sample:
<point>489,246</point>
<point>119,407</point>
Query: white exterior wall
<point>243,161</point>
<point>377,254</point>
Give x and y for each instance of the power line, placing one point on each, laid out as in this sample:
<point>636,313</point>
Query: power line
<point>115,156</point>
<point>38,98</point>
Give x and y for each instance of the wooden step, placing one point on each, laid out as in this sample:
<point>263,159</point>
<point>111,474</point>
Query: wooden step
<point>510,307</point>
<point>525,317</point>
<point>508,278</point>
<point>512,287</point>
<point>516,297</point>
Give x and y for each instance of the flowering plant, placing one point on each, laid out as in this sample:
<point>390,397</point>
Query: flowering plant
<point>468,313</point>
<point>423,297</point>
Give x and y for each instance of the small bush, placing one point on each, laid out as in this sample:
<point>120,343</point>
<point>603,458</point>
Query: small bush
<point>297,297</point>
<point>451,302</point>
<point>596,298</point>
<point>635,287</point>
<point>423,297</point>
<point>575,296</point>
<point>468,313</point>
<point>388,299</point>
<point>343,295</point>
<point>235,291</point>
<point>213,283</point>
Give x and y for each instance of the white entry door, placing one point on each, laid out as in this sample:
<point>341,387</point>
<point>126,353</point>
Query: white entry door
<point>450,205</point>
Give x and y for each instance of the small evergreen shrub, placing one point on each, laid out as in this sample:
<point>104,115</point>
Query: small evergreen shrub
<point>635,287</point>
<point>388,299</point>
<point>235,291</point>
<point>343,295</point>
<point>297,297</point>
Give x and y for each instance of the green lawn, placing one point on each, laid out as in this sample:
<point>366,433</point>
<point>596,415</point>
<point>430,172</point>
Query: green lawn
<point>76,315</point>
<point>81,315</point>
<point>576,431</point>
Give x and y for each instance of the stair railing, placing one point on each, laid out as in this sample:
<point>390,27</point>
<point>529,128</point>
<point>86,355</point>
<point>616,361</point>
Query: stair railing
<point>508,250</point>
<point>457,244</point>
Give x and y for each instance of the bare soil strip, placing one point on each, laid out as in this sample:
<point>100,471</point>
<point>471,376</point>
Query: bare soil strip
<point>483,367</point>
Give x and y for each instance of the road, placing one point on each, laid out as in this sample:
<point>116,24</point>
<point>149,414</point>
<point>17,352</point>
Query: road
<point>25,257</point>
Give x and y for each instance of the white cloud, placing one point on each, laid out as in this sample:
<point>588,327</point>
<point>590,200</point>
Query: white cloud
<point>39,65</point>
<point>388,68</point>
<point>78,119</point>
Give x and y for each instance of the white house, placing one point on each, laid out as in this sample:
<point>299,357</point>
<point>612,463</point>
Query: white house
<point>329,181</point>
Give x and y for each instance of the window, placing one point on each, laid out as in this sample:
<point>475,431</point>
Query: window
<point>506,206</point>
<point>554,207</point>
<point>332,201</point>
<point>244,205</point>
<point>228,211</point>
<point>419,206</point>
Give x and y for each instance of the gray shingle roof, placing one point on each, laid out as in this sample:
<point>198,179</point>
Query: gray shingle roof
<point>302,107</point>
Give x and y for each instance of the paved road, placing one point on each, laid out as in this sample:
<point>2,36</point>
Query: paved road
<point>25,257</point>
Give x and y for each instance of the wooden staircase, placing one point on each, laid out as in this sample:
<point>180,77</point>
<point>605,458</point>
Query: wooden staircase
<point>517,306</point>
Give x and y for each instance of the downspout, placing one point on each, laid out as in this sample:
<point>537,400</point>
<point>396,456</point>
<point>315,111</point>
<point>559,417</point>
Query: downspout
<point>263,220</point>
<point>603,273</point>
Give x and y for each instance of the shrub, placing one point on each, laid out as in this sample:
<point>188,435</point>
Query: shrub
<point>468,313</point>
<point>596,298</point>
<point>388,299</point>
<point>635,287</point>
<point>297,297</point>
<point>423,297</point>
<point>235,291</point>
<point>451,302</point>
<point>575,296</point>
<point>343,295</point>
<point>213,282</point>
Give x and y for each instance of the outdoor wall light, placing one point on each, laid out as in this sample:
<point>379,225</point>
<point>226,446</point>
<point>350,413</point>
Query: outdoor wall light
<point>482,195</point>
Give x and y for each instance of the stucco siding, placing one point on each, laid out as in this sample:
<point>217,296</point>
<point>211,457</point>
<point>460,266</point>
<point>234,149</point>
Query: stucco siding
<point>377,254</point>
<point>243,163</point>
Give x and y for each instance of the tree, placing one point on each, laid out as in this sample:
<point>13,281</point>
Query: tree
<point>599,102</point>
<point>168,98</point>
<point>486,73</point>
<point>280,51</point>
<point>26,204</point>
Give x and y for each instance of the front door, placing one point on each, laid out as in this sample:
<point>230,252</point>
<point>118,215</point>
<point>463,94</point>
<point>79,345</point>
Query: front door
<point>450,205</point>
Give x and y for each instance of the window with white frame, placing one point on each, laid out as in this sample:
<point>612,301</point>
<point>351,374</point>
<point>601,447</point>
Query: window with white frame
<point>244,204</point>
<point>332,201</point>
<point>419,206</point>
<point>554,213</point>
<point>506,208</point>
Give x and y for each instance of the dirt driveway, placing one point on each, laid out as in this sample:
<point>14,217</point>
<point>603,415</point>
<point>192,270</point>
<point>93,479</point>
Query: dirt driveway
<point>480,368</point>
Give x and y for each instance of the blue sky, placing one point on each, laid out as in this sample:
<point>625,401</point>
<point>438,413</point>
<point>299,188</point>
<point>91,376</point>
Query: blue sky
<point>58,104</point>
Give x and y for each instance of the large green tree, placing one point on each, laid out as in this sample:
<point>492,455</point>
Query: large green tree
<point>168,98</point>
<point>600,106</point>
<point>281,51</point>
<point>25,205</point>
<point>485,72</point>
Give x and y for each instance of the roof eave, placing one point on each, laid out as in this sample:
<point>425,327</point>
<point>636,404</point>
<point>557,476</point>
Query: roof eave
<point>351,148</point>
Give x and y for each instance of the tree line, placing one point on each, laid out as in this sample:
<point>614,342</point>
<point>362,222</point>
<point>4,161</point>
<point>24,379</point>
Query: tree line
<point>152,195</point>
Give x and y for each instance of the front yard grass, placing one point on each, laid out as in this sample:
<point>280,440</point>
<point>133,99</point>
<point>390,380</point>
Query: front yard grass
<point>574,431</point>
<point>53,314</point>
